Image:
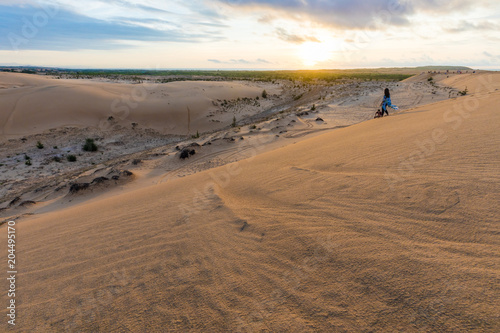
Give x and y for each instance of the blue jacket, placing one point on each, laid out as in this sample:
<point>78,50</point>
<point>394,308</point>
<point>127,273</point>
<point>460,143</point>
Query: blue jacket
<point>387,103</point>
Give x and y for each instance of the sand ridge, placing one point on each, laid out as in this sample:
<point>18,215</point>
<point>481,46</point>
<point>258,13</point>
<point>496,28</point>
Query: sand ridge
<point>33,104</point>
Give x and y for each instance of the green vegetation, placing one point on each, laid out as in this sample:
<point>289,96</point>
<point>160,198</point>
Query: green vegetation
<point>253,127</point>
<point>28,71</point>
<point>27,160</point>
<point>299,76</point>
<point>430,79</point>
<point>196,136</point>
<point>71,158</point>
<point>264,94</point>
<point>313,108</point>
<point>39,145</point>
<point>234,122</point>
<point>464,92</point>
<point>89,145</point>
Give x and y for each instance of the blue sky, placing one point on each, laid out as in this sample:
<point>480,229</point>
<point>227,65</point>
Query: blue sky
<point>249,34</point>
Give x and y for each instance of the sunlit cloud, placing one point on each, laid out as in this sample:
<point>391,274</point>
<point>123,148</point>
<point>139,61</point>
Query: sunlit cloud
<point>292,38</point>
<point>249,33</point>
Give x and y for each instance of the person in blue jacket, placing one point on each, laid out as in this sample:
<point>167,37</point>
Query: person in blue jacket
<point>387,102</point>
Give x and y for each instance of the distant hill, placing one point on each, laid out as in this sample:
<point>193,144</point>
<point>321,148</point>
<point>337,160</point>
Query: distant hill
<point>443,68</point>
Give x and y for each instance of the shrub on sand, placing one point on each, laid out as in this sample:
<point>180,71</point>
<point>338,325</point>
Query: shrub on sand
<point>89,145</point>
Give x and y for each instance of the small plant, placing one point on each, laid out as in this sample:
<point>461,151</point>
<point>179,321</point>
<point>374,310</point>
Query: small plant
<point>196,136</point>
<point>253,127</point>
<point>55,147</point>
<point>264,94</point>
<point>28,162</point>
<point>234,122</point>
<point>89,145</point>
<point>71,158</point>
<point>26,157</point>
<point>463,92</point>
<point>430,79</point>
<point>57,159</point>
<point>39,145</point>
<point>313,107</point>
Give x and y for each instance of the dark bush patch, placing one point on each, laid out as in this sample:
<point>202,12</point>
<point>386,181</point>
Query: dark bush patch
<point>90,145</point>
<point>77,187</point>
<point>100,180</point>
<point>186,152</point>
<point>71,158</point>
<point>126,173</point>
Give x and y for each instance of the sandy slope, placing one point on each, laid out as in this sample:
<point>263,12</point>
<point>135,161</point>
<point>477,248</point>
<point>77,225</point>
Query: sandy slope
<point>388,225</point>
<point>33,104</point>
<point>266,124</point>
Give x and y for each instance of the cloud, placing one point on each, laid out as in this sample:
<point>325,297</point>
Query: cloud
<point>491,56</point>
<point>267,19</point>
<point>463,26</point>
<point>239,62</point>
<point>339,13</point>
<point>263,61</point>
<point>359,14</point>
<point>291,38</point>
<point>134,6</point>
<point>34,28</point>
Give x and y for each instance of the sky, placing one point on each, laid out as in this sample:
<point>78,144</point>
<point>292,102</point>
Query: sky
<point>253,34</point>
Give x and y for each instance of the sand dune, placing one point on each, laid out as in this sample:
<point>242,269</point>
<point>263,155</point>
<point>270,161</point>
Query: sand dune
<point>32,104</point>
<point>272,122</point>
<point>388,225</point>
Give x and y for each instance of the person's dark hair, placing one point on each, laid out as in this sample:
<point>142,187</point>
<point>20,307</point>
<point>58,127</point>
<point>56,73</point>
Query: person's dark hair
<point>387,93</point>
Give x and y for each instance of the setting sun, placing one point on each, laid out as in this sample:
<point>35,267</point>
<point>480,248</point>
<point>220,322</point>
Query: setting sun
<point>311,53</point>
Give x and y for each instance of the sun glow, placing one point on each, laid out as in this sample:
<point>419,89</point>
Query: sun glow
<point>312,53</point>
